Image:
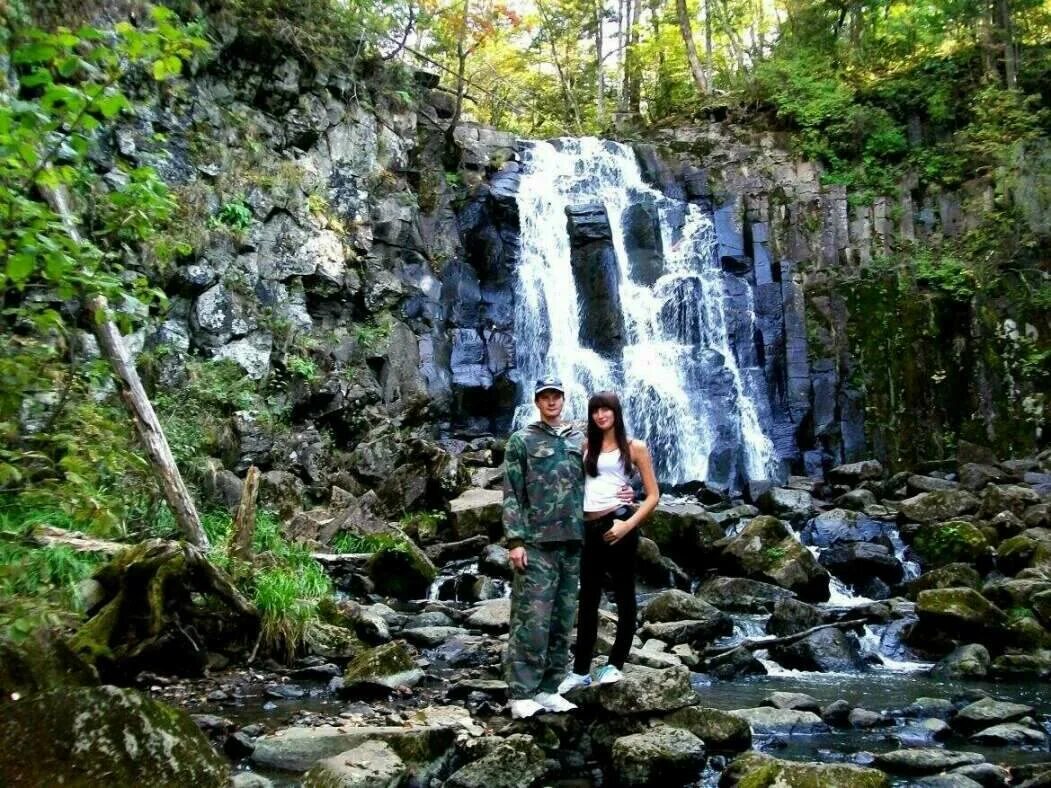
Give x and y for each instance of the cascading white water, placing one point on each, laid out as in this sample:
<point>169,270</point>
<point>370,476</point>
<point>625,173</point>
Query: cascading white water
<point>663,360</point>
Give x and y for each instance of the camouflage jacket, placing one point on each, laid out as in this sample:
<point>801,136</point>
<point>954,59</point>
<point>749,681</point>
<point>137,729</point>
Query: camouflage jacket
<point>544,485</point>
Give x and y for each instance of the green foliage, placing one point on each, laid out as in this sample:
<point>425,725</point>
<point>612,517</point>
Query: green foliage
<point>774,554</point>
<point>371,336</point>
<point>302,367</point>
<point>1019,613</point>
<point>66,236</point>
<point>286,591</point>
<point>234,216</point>
<point>347,542</point>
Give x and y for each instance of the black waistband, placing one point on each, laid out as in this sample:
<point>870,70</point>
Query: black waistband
<point>620,513</point>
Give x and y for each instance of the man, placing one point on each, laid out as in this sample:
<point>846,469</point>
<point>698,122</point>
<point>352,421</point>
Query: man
<point>544,527</point>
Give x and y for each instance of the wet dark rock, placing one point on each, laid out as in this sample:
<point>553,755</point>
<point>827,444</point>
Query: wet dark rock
<point>922,484</point>
<point>864,718</point>
<point>790,616</point>
<point>238,745</point>
<point>988,775</point>
<point>858,562</point>
<point>855,473</point>
<point>840,526</point>
<point>1012,498</point>
<point>837,713</point>
<point>381,670</point>
<point>405,573</point>
<point>960,614</point>
<point>1031,548</point>
<point>796,505</point>
<point>826,651</point>
<point>968,661</point>
<point>974,476</point>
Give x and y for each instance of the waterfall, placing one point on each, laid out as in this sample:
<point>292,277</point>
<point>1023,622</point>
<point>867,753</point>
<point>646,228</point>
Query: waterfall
<point>686,371</point>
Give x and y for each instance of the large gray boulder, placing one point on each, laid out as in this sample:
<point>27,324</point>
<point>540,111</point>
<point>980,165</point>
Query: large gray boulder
<point>987,712</point>
<point>477,512</point>
<point>970,661</point>
<point>298,748</point>
<point>103,736</point>
<point>372,764</point>
<point>765,550</point>
<point>768,720</point>
<point>959,614</point>
<point>660,755</point>
<point>742,595</point>
<point>938,506</point>
<point>642,691</point>
<point>720,731</point>
<point>856,472</point>
<point>675,605</point>
<point>827,651</point>
<point>514,762</point>
<point>920,761</point>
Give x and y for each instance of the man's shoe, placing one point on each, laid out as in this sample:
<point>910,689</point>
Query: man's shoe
<point>572,681</point>
<point>552,701</point>
<point>608,675</point>
<point>520,709</point>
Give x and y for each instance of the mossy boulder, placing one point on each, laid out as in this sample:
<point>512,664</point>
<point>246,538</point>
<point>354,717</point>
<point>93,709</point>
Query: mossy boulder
<point>938,506</point>
<point>939,544</point>
<point>510,762</point>
<point>678,606</point>
<point>386,666</point>
<point>720,731</point>
<point>403,571</point>
<point>955,575</point>
<point>756,770</point>
<point>959,615</point>
<point>766,550</point>
<point>41,662</point>
<point>1012,498</point>
<point>1031,548</point>
<point>686,531</point>
<point>104,736</point>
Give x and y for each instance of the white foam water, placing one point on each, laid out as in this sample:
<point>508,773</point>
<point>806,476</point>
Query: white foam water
<point>656,372</point>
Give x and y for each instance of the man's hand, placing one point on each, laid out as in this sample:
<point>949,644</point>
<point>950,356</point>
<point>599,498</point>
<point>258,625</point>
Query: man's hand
<point>626,494</point>
<point>518,559</point>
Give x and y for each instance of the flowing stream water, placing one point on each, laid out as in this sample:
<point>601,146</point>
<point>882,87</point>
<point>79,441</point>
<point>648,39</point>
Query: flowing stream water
<point>689,391</point>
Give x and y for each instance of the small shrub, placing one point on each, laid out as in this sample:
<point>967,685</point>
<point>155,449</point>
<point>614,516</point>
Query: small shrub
<point>234,216</point>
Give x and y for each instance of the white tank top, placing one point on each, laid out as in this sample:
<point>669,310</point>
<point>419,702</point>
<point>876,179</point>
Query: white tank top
<point>600,492</point>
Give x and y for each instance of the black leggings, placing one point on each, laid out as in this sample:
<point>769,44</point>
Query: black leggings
<point>618,560</point>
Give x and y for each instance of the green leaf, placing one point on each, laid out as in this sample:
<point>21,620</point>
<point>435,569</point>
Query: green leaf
<point>37,52</point>
<point>19,267</point>
<point>69,66</point>
<point>111,105</point>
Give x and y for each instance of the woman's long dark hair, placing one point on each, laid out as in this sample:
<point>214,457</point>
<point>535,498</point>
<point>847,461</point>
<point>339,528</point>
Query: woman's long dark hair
<point>606,399</point>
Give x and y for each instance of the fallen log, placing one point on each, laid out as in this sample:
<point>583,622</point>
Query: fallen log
<point>755,644</point>
<point>49,536</point>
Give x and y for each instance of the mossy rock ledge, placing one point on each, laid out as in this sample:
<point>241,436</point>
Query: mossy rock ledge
<point>940,544</point>
<point>105,735</point>
<point>756,770</point>
<point>766,550</point>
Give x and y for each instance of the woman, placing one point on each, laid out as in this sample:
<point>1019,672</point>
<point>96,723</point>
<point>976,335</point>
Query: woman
<point>611,536</point>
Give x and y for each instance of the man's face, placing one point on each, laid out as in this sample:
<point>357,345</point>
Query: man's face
<point>550,403</point>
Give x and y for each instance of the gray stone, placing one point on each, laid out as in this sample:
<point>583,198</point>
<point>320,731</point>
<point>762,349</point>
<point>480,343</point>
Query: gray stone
<point>476,512</point>
<point>372,764</point>
<point>661,755</point>
<point>968,661</point>
<point>719,730</point>
<point>493,615</point>
<point>1010,733</point>
<point>643,690</point>
<point>742,595</point>
<point>938,506</point>
<point>922,761</point>
<point>794,701</point>
<point>768,720</point>
<point>510,763</point>
<point>856,472</point>
<point>986,712</point>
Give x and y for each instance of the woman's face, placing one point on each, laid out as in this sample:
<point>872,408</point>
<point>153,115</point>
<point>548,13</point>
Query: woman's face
<point>603,418</point>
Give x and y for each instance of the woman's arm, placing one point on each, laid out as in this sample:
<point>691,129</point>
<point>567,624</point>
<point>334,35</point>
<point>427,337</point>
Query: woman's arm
<point>640,458</point>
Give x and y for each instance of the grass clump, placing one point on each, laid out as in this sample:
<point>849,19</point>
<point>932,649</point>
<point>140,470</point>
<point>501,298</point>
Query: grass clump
<point>346,542</point>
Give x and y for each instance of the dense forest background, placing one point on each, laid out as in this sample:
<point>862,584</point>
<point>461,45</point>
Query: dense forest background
<point>878,92</point>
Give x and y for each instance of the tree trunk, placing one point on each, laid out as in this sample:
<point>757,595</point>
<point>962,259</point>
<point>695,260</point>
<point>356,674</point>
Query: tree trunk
<point>633,71</point>
<point>244,520</point>
<point>709,66</point>
<point>461,82</point>
<point>148,425</point>
<point>567,92</point>
<point>1005,24</point>
<point>600,77</point>
<point>700,79</point>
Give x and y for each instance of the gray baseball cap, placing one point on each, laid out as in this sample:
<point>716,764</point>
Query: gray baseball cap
<point>548,384</point>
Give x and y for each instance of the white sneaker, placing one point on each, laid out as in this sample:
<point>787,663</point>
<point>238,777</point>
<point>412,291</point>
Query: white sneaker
<point>608,675</point>
<point>520,709</point>
<point>572,681</point>
<point>552,701</point>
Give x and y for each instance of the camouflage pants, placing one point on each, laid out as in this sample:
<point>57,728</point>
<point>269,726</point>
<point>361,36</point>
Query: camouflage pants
<point>543,606</point>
